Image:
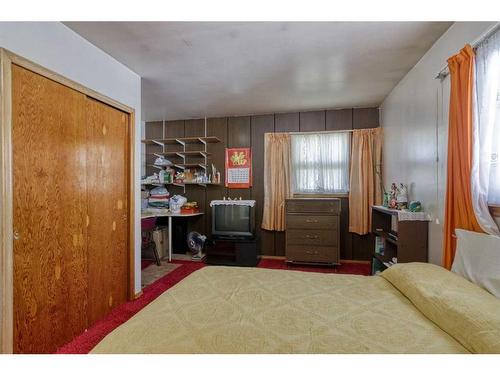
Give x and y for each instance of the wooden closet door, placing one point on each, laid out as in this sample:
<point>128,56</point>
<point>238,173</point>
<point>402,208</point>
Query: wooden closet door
<point>107,171</point>
<point>49,207</point>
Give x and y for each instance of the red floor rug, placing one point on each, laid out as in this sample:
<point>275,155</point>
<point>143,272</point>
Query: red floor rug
<point>84,343</point>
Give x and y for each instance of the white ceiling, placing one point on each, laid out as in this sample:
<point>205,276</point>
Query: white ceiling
<point>197,69</point>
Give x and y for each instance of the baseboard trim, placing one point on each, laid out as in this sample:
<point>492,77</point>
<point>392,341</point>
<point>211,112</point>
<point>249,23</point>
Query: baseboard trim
<point>137,295</point>
<point>274,257</point>
<point>355,261</point>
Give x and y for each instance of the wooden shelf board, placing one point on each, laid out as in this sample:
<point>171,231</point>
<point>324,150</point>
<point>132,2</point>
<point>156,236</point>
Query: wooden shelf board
<point>199,183</point>
<point>179,166</point>
<point>178,183</point>
<point>153,183</point>
<point>181,140</point>
<point>193,153</point>
<point>389,211</point>
<point>160,166</point>
<point>381,260</point>
<point>180,153</point>
<point>167,153</point>
<point>386,236</point>
<point>200,140</point>
<point>190,165</point>
<point>167,141</point>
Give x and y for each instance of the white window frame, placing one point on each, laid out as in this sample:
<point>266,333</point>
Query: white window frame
<point>345,163</point>
<point>495,157</point>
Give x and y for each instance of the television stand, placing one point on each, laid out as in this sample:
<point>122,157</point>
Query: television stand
<point>233,252</point>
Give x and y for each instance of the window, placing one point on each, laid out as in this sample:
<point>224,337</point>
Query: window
<point>320,163</point>
<point>494,187</point>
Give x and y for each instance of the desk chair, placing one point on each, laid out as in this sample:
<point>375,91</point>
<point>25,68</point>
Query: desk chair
<point>148,246</point>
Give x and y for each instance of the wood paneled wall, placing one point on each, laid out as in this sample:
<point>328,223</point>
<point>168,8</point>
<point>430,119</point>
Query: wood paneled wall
<point>248,131</point>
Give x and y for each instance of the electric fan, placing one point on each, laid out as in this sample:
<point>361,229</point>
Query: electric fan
<point>196,242</point>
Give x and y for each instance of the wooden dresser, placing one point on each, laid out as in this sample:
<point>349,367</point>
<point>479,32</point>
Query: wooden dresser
<point>313,230</point>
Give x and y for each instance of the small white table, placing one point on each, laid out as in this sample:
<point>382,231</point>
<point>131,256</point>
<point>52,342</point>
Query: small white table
<point>157,213</point>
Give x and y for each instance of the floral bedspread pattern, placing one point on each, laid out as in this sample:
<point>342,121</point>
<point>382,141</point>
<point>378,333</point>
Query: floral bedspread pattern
<point>252,310</point>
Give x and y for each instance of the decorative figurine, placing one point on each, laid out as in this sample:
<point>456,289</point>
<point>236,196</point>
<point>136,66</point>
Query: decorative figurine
<point>387,198</point>
<point>393,201</point>
<point>415,206</point>
<point>402,197</point>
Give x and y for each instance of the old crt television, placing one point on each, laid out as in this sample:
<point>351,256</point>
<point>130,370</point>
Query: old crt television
<point>233,220</point>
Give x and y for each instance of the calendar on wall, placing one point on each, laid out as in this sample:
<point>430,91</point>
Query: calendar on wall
<point>238,168</point>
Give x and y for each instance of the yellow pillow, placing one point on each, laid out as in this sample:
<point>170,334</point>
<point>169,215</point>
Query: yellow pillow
<point>462,309</point>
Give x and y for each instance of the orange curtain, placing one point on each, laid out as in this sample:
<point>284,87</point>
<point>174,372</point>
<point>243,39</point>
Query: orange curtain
<point>365,179</point>
<point>277,179</point>
<point>459,212</point>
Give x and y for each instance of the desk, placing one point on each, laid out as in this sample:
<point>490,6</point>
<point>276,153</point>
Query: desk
<point>147,214</point>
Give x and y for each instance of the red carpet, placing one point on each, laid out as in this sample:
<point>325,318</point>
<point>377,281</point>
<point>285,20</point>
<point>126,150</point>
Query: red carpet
<point>86,341</point>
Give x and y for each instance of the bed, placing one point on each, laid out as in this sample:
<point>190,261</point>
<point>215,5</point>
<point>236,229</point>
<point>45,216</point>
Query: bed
<point>409,308</point>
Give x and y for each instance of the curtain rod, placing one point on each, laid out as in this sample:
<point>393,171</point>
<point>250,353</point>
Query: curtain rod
<point>323,131</point>
<point>444,72</point>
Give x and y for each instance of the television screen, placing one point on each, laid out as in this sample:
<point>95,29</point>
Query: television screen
<point>232,220</point>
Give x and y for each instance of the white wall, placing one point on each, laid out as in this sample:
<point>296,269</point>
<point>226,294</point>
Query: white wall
<point>56,47</point>
<point>415,121</point>
<point>143,149</point>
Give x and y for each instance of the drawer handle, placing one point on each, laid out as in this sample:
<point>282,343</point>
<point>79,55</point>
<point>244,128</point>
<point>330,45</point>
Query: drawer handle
<point>312,252</point>
<point>311,236</point>
<point>311,220</point>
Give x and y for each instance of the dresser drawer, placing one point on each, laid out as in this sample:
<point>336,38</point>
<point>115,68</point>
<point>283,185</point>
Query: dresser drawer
<point>327,206</point>
<point>296,221</point>
<point>326,237</point>
<point>312,254</point>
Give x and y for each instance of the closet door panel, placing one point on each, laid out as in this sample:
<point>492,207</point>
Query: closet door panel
<point>49,205</point>
<point>107,182</point>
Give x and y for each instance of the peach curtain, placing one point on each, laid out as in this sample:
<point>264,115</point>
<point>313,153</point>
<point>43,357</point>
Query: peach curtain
<point>277,179</point>
<point>459,212</point>
<point>365,181</point>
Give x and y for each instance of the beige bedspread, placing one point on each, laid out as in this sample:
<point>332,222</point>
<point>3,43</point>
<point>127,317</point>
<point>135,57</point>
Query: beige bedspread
<point>252,310</point>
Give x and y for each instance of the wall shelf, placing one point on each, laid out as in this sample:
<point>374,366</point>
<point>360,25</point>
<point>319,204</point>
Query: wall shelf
<point>161,142</point>
<point>190,165</point>
<point>179,183</point>
<point>159,166</point>
<point>186,152</point>
<point>196,183</point>
<point>180,141</point>
<point>152,184</point>
<point>163,154</point>
<point>194,153</point>
<point>181,154</point>
<point>182,166</point>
